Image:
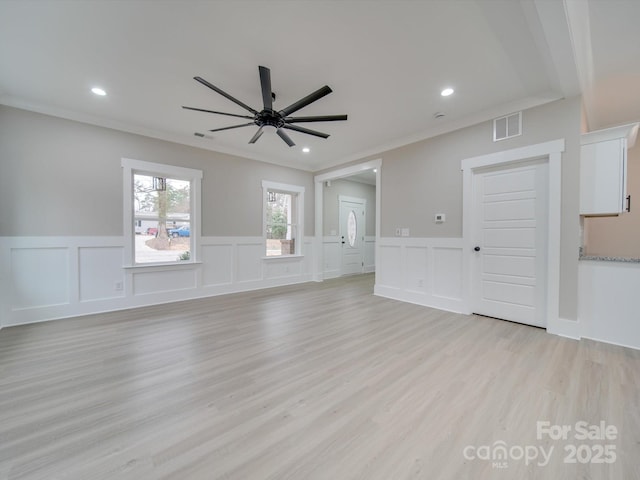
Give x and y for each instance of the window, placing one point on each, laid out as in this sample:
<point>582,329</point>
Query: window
<point>352,228</point>
<point>283,207</point>
<point>161,213</point>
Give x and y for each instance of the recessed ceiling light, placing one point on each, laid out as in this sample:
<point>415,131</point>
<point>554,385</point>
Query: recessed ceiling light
<point>306,150</point>
<point>375,170</point>
<point>446,92</point>
<point>98,91</point>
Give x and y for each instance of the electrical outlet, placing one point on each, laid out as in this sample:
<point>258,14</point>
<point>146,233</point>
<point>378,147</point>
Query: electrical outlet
<point>405,232</point>
<point>439,218</point>
<point>118,286</point>
<point>398,232</point>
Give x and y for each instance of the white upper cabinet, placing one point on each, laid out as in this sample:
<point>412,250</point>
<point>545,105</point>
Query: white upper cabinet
<point>603,170</point>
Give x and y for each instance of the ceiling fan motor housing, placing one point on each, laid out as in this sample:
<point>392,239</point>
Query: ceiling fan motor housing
<point>269,117</point>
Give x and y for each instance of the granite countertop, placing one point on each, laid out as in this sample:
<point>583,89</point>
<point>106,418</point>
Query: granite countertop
<point>610,259</point>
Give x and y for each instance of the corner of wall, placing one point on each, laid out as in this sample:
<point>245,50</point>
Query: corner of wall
<point>564,328</point>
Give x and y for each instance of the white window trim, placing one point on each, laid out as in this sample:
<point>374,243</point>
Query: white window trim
<point>283,187</point>
<point>131,166</point>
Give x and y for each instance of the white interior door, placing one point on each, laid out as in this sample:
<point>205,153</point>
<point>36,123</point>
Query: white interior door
<point>352,230</point>
<point>510,232</point>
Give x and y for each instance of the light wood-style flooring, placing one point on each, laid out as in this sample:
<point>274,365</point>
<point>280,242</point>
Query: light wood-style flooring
<point>314,381</point>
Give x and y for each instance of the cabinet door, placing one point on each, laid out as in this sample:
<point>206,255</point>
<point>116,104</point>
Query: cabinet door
<point>602,177</point>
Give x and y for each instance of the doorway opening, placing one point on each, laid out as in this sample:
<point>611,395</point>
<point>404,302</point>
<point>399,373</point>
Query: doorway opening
<point>347,204</point>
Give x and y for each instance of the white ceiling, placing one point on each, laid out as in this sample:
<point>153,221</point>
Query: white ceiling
<point>386,61</point>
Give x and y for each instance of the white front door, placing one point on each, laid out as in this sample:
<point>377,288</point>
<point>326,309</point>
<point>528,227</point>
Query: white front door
<point>352,229</point>
<point>510,246</point>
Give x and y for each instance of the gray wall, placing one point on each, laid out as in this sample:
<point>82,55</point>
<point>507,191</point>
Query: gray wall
<point>330,208</point>
<point>60,177</point>
<point>424,178</point>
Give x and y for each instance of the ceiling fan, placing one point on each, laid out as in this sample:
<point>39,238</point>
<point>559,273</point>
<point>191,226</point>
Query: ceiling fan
<point>270,119</point>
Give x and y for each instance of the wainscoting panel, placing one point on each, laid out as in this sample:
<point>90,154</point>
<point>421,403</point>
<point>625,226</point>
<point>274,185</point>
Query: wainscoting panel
<point>58,277</point>
<point>218,261</point>
<point>447,272</point>
<point>282,268</point>
<point>45,266</point>
<point>160,281</point>
<point>249,260</point>
<point>416,261</point>
<point>426,271</point>
<point>110,282</point>
<point>390,271</point>
<point>331,256</point>
<point>370,253</point>
<point>308,261</point>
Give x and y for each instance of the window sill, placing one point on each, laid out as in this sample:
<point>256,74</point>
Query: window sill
<point>284,257</point>
<point>155,267</point>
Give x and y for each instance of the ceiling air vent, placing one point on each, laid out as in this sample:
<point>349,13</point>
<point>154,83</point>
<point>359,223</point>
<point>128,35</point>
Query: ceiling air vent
<point>507,126</point>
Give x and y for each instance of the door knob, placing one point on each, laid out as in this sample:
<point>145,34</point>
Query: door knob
<point>477,249</point>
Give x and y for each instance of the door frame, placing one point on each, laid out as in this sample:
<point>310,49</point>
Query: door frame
<point>550,152</point>
<point>318,269</point>
<point>359,201</point>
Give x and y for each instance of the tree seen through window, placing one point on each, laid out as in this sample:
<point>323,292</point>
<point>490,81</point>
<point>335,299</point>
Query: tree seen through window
<point>162,219</point>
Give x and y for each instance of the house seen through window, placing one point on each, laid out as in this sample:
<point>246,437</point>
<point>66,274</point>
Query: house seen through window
<point>162,218</point>
<point>161,213</point>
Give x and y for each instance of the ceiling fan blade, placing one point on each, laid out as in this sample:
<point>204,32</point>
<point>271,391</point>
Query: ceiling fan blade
<point>321,118</point>
<point>233,126</point>
<point>258,134</point>
<point>224,94</point>
<point>285,137</point>
<point>317,95</point>
<point>265,84</point>
<point>306,130</point>
<point>219,113</point>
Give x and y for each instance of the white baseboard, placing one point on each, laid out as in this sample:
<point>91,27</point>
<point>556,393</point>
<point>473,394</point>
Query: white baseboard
<point>329,274</point>
<point>633,347</point>
<point>454,305</point>
<point>564,328</point>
